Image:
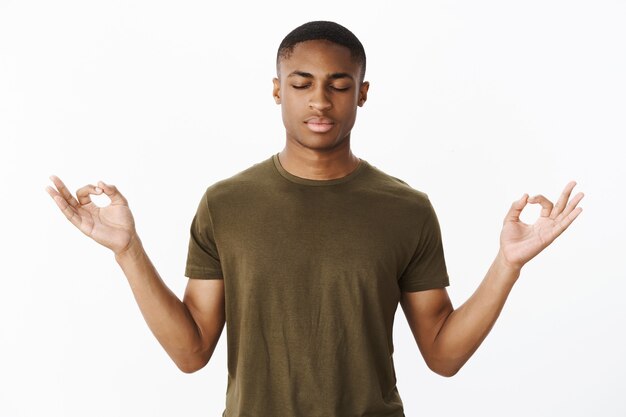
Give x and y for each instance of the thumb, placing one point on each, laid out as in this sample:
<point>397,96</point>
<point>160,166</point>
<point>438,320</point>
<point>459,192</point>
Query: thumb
<point>113,193</point>
<point>516,209</point>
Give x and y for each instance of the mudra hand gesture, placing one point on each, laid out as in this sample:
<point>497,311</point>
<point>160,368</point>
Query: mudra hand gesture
<point>520,242</point>
<point>112,226</point>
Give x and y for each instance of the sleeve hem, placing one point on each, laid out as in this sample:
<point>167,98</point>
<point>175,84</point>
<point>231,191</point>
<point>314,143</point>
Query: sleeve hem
<point>203,273</point>
<point>445,282</point>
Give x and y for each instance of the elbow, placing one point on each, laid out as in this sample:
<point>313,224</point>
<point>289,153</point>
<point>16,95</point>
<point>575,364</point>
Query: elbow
<point>191,361</point>
<point>188,369</point>
<point>445,369</point>
<point>191,365</point>
<point>446,372</point>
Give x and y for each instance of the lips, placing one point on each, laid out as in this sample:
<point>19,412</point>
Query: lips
<point>319,124</point>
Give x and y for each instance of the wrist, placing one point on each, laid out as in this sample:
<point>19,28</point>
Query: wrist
<point>132,251</point>
<point>507,268</point>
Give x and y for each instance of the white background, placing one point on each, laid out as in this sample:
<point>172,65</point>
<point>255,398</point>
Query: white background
<point>474,103</point>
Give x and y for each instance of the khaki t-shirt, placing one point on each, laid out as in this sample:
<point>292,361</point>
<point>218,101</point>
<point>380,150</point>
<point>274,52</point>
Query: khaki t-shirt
<point>313,271</point>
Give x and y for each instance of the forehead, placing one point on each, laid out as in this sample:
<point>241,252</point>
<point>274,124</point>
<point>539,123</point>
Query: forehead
<point>319,57</point>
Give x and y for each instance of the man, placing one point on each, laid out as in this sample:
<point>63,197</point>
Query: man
<point>307,254</point>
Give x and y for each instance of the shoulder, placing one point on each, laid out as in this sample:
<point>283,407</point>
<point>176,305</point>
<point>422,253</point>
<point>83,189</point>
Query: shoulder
<point>396,189</point>
<point>241,183</point>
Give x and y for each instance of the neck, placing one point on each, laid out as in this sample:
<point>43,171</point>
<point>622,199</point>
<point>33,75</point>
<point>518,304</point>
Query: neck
<point>318,165</point>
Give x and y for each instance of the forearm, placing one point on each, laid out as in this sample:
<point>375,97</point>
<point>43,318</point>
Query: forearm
<point>467,326</point>
<point>166,315</point>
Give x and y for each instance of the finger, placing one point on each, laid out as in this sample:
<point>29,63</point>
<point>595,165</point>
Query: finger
<point>570,207</point>
<point>70,212</point>
<point>567,220</point>
<point>63,191</point>
<point>546,205</point>
<point>562,202</point>
<point>516,209</point>
<point>83,194</point>
<point>113,193</point>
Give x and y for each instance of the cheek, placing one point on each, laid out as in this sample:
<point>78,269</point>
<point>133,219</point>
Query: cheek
<point>349,107</point>
<point>290,113</point>
<point>286,108</point>
<point>349,101</point>
<point>291,106</point>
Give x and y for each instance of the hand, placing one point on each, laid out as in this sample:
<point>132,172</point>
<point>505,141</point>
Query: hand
<point>520,242</point>
<point>112,226</point>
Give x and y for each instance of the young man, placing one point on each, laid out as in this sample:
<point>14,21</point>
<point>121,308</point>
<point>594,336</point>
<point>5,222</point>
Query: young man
<point>307,254</point>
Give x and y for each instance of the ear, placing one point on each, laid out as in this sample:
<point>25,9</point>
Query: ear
<point>276,92</point>
<point>365,86</point>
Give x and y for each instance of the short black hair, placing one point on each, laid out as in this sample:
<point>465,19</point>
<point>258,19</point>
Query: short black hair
<point>323,30</point>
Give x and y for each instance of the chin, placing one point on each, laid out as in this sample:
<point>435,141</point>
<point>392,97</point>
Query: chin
<point>323,142</point>
<point>317,141</point>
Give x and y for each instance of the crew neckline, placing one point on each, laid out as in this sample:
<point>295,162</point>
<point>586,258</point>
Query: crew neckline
<point>307,181</point>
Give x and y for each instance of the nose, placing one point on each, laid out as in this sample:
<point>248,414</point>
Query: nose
<point>319,100</point>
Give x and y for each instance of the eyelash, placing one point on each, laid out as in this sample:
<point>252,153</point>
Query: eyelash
<point>302,87</point>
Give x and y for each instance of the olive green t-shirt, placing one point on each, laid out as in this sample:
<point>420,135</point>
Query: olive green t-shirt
<point>313,271</point>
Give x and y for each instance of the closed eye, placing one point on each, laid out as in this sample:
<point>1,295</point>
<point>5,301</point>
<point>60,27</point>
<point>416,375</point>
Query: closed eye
<point>332,87</point>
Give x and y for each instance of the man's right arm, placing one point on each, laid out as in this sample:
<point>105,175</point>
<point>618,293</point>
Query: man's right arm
<point>188,330</point>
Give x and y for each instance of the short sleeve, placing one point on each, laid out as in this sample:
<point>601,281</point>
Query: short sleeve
<point>203,259</point>
<point>427,268</point>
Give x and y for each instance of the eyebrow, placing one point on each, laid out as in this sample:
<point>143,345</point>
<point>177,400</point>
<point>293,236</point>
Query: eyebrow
<point>334,76</point>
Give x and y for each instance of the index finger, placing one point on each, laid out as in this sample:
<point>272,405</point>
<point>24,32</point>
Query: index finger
<point>65,193</point>
<point>546,205</point>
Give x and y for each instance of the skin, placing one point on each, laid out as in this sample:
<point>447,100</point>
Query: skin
<point>320,81</point>
<point>308,88</point>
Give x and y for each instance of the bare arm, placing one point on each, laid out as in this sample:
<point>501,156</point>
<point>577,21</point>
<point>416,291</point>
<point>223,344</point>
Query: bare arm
<point>446,337</point>
<point>189,330</point>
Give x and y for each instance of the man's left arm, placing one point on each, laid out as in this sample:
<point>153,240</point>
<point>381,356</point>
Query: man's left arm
<point>448,337</point>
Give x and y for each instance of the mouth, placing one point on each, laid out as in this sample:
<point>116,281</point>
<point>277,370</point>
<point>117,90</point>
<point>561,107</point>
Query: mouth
<point>319,124</point>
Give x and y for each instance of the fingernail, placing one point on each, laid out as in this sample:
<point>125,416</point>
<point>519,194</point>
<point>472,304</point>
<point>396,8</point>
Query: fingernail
<point>98,189</point>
